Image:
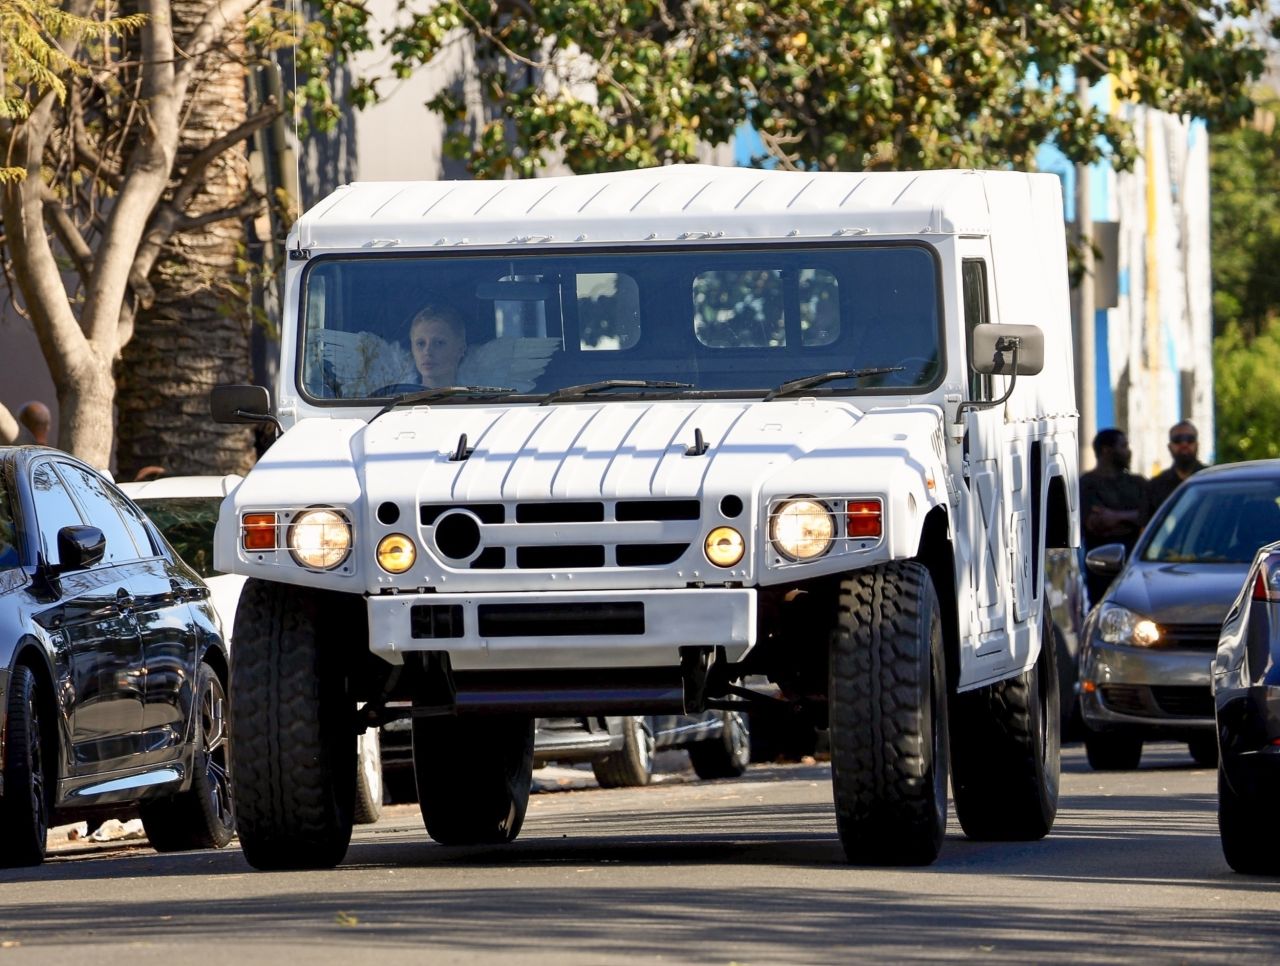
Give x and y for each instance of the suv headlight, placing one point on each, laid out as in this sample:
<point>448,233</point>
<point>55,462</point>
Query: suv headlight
<point>802,529</point>
<point>320,538</point>
<point>1119,625</point>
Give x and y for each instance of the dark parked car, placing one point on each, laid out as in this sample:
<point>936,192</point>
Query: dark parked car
<point>112,667</point>
<point>1246,691</point>
<point>1144,670</point>
<point>620,749</point>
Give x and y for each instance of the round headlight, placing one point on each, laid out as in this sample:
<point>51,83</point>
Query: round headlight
<point>1119,625</point>
<point>724,546</point>
<point>396,553</point>
<point>802,529</point>
<point>320,539</point>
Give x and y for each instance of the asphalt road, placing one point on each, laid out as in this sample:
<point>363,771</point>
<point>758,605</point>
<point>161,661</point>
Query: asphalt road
<point>745,871</point>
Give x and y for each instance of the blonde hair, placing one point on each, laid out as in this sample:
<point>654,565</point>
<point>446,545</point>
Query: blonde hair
<point>440,313</point>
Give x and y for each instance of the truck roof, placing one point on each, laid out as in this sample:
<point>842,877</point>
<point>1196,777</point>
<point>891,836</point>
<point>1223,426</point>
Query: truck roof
<point>673,203</point>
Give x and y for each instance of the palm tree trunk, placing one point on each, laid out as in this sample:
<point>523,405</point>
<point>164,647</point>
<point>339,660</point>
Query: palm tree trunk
<point>196,334</point>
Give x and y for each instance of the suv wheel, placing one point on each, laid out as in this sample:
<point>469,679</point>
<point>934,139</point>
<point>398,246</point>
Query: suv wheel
<point>25,805</point>
<point>294,755</point>
<point>1005,752</point>
<point>1108,752</point>
<point>202,817</point>
<point>368,777</point>
<point>631,765</point>
<point>474,776</point>
<point>1247,830</point>
<point>888,704</point>
<point>728,753</point>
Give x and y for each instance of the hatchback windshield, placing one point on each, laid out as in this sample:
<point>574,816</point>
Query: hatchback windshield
<point>720,320</point>
<point>188,524</point>
<point>1217,523</point>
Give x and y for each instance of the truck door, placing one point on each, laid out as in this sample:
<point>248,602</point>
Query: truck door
<point>998,483</point>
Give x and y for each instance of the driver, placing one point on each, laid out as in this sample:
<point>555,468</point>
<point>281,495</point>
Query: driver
<point>438,340</point>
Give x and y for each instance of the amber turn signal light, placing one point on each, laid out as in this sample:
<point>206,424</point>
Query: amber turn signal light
<point>258,531</point>
<point>396,553</point>
<point>863,518</point>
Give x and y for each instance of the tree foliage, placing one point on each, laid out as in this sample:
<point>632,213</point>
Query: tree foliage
<point>1246,378</point>
<point>829,84</point>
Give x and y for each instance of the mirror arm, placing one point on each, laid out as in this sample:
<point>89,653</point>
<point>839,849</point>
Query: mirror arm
<point>261,418</point>
<point>1012,345</point>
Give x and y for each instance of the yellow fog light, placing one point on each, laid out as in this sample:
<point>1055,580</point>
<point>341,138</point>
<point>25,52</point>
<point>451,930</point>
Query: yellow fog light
<point>320,538</point>
<point>725,546</point>
<point>396,553</point>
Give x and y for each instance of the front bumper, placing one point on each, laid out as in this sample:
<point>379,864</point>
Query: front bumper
<point>546,631</point>
<point>1151,692</point>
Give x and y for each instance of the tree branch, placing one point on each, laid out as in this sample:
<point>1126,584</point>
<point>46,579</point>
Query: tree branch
<point>243,210</point>
<point>68,234</point>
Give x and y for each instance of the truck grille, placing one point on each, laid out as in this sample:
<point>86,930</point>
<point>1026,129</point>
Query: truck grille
<point>565,535</point>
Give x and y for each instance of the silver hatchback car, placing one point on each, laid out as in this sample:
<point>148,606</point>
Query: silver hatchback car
<point>1148,645</point>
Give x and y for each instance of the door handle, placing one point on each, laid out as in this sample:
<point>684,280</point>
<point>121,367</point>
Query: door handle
<point>125,601</point>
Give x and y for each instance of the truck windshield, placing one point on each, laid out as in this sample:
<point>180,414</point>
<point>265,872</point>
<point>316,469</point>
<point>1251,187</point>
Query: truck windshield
<point>734,321</point>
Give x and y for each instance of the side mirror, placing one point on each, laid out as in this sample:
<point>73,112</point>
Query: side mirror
<point>994,348</point>
<point>79,548</point>
<point>240,404</point>
<point>1107,560</point>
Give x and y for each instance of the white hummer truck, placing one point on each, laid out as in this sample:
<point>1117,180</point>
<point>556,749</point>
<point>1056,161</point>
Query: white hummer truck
<point>710,425</point>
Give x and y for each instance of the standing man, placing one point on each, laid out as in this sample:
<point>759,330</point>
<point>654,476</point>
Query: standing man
<point>35,419</point>
<point>1113,502</point>
<point>1184,447</point>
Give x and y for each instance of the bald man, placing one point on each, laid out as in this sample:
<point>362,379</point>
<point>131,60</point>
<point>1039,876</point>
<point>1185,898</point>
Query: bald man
<point>35,419</point>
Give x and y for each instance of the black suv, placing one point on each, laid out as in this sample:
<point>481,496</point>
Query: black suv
<point>112,667</point>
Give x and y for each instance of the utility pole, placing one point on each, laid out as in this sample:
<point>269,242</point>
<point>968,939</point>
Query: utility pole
<point>1086,361</point>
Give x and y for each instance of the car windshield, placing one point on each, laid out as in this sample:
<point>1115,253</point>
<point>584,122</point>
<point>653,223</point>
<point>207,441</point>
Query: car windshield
<point>1221,522</point>
<point>188,524</point>
<point>735,321</point>
<point>8,531</point>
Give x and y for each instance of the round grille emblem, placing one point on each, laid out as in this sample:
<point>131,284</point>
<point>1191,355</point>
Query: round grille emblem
<point>457,535</point>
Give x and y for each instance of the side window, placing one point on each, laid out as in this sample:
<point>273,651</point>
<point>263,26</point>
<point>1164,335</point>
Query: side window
<point>133,522</point>
<point>93,494</point>
<point>739,309</point>
<point>54,509</point>
<point>974,272</point>
<point>8,531</point>
<point>608,311</point>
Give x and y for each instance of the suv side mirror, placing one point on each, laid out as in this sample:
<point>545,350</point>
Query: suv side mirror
<point>995,348</point>
<point>1107,560</point>
<point>79,548</point>
<point>240,404</point>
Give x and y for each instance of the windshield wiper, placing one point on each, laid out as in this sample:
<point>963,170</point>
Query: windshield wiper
<point>587,388</point>
<point>808,382</point>
<point>440,392</point>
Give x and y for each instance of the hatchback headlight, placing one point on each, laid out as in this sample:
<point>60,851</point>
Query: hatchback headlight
<point>802,529</point>
<point>1119,625</point>
<point>320,538</point>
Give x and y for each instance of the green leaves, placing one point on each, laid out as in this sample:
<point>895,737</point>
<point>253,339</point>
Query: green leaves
<point>860,84</point>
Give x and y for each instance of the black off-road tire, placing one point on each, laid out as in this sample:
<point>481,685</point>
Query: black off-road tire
<point>1006,753</point>
<point>1247,831</point>
<point>1112,752</point>
<point>203,816</point>
<point>473,776</point>
<point>28,775</point>
<point>631,766</point>
<point>294,753</point>
<point>1204,751</point>
<point>728,753</point>
<point>888,705</point>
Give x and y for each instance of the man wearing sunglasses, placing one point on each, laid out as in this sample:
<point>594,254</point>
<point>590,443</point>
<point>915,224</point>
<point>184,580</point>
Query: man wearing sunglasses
<point>1184,447</point>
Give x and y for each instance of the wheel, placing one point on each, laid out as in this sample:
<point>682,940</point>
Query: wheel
<point>1005,753</point>
<point>473,776</point>
<point>1247,831</point>
<point>203,816</point>
<point>728,753</point>
<point>632,765</point>
<point>399,786</point>
<point>295,755</point>
<point>888,705</point>
<point>1204,751</point>
<point>778,735</point>
<point>28,778</point>
<point>1109,752</point>
<point>368,778</point>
